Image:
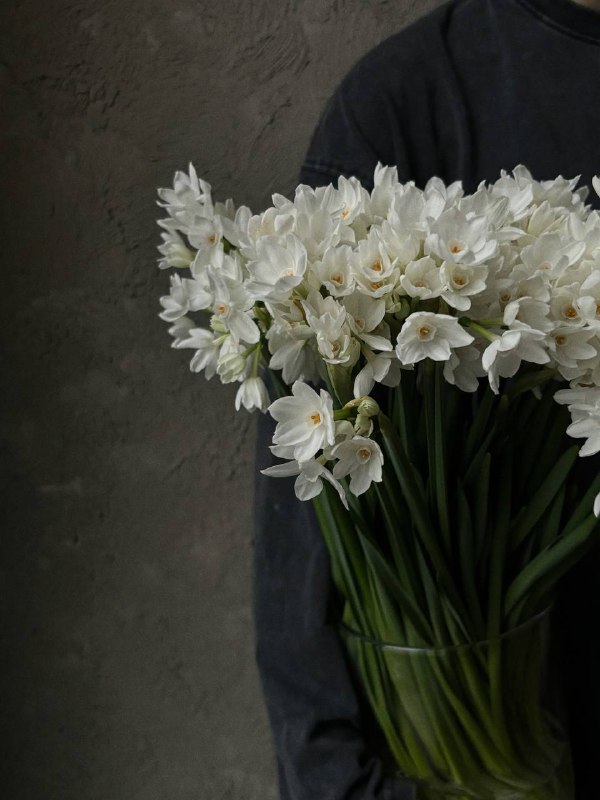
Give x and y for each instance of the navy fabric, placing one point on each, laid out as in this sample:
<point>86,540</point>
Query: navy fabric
<point>471,88</point>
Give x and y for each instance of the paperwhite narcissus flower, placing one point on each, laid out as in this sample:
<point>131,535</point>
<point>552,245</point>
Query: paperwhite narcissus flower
<point>458,239</point>
<point>291,352</point>
<point>186,294</point>
<point>207,347</point>
<point>334,272</point>
<point>460,281</point>
<point>421,279</point>
<point>252,394</point>
<point>279,267</point>
<point>329,320</point>
<point>568,346</point>
<point>361,459</point>
<point>584,407</point>
<point>231,304</point>
<point>180,330</point>
<point>231,364</point>
<point>174,251</point>
<point>502,358</point>
<point>428,335</point>
<point>304,421</point>
<point>381,368</point>
<point>464,368</point>
<point>365,315</point>
<point>309,482</point>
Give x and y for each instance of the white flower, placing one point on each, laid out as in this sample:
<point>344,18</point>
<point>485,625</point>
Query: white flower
<point>185,295</point>
<point>329,320</point>
<point>252,394</point>
<point>305,421</point>
<point>385,185</point>
<point>551,253</point>
<point>205,235</point>
<point>502,358</point>
<point>460,281</point>
<point>309,482</point>
<point>232,306</point>
<point>421,278</point>
<point>353,197</point>
<point>529,312</point>
<point>571,345</point>
<point>291,353</point>
<point>207,347</point>
<point>279,267</point>
<point>456,238</point>
<point>564,306</point>
<point>334,271</point>
<point>175,252</point>
<point>379,368</point>
<point>463,368</point>
<point>231,364</point>
<point>584,407</point>
<point>189,196</point>
<point>361,459</point>
<point>374,271</point>
<point>428,335</point>
<point>180,330</point>
<point>365,317</point>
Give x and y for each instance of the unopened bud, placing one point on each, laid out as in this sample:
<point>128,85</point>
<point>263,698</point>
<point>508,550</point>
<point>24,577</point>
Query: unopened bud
<point>368,407</point>
<point>230,367</point>
<point>363,425</point>
<point>217,324</point>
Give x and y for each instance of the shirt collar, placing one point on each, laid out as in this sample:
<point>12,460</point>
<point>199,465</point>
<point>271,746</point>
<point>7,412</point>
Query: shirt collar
<point>566,16</point>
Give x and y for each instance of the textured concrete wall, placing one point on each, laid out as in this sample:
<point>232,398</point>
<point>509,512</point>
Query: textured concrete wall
<point>128,643</point>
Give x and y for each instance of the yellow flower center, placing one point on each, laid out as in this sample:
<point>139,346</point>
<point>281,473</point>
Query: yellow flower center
<point>505,297</point>
<point>376,285</point>
<point>560,339</point>
<point>315,418</point>
<point>570,312</point>
<point>345,213</point>
<point>460,281</point>
<point>364,453</point>
<point>337,278</point>
<point>457,247</point>
<point>212,238</point>
<point>221,309</point>
<point>423,331</point>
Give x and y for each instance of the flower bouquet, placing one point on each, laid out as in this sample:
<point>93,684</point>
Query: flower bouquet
<point>429,354</point>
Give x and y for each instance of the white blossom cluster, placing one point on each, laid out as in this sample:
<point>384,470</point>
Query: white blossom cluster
<point>369,284</point>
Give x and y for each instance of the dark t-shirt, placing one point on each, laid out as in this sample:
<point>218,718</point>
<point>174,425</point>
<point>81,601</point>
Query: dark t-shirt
<point>473,87</point>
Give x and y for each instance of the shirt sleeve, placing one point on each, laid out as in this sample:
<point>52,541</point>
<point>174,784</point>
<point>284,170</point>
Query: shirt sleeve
<point>361,124</point>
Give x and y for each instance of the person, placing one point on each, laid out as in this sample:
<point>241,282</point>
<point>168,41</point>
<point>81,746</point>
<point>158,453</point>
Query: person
<point>469,89</point>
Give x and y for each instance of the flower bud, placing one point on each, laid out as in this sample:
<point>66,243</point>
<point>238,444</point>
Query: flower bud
<point>217,324</point>
<point>368,407</point>
<point>363,426</point>
<point>231,367</point>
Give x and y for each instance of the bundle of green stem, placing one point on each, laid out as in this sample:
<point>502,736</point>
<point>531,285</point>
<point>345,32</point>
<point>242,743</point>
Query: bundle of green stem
<point>447,569</point>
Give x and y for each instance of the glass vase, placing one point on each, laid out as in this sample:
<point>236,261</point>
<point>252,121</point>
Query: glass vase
<point>479,721</point>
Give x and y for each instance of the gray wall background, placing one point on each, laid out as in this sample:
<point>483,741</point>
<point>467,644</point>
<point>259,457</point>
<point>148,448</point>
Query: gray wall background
<point>127,641</point>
